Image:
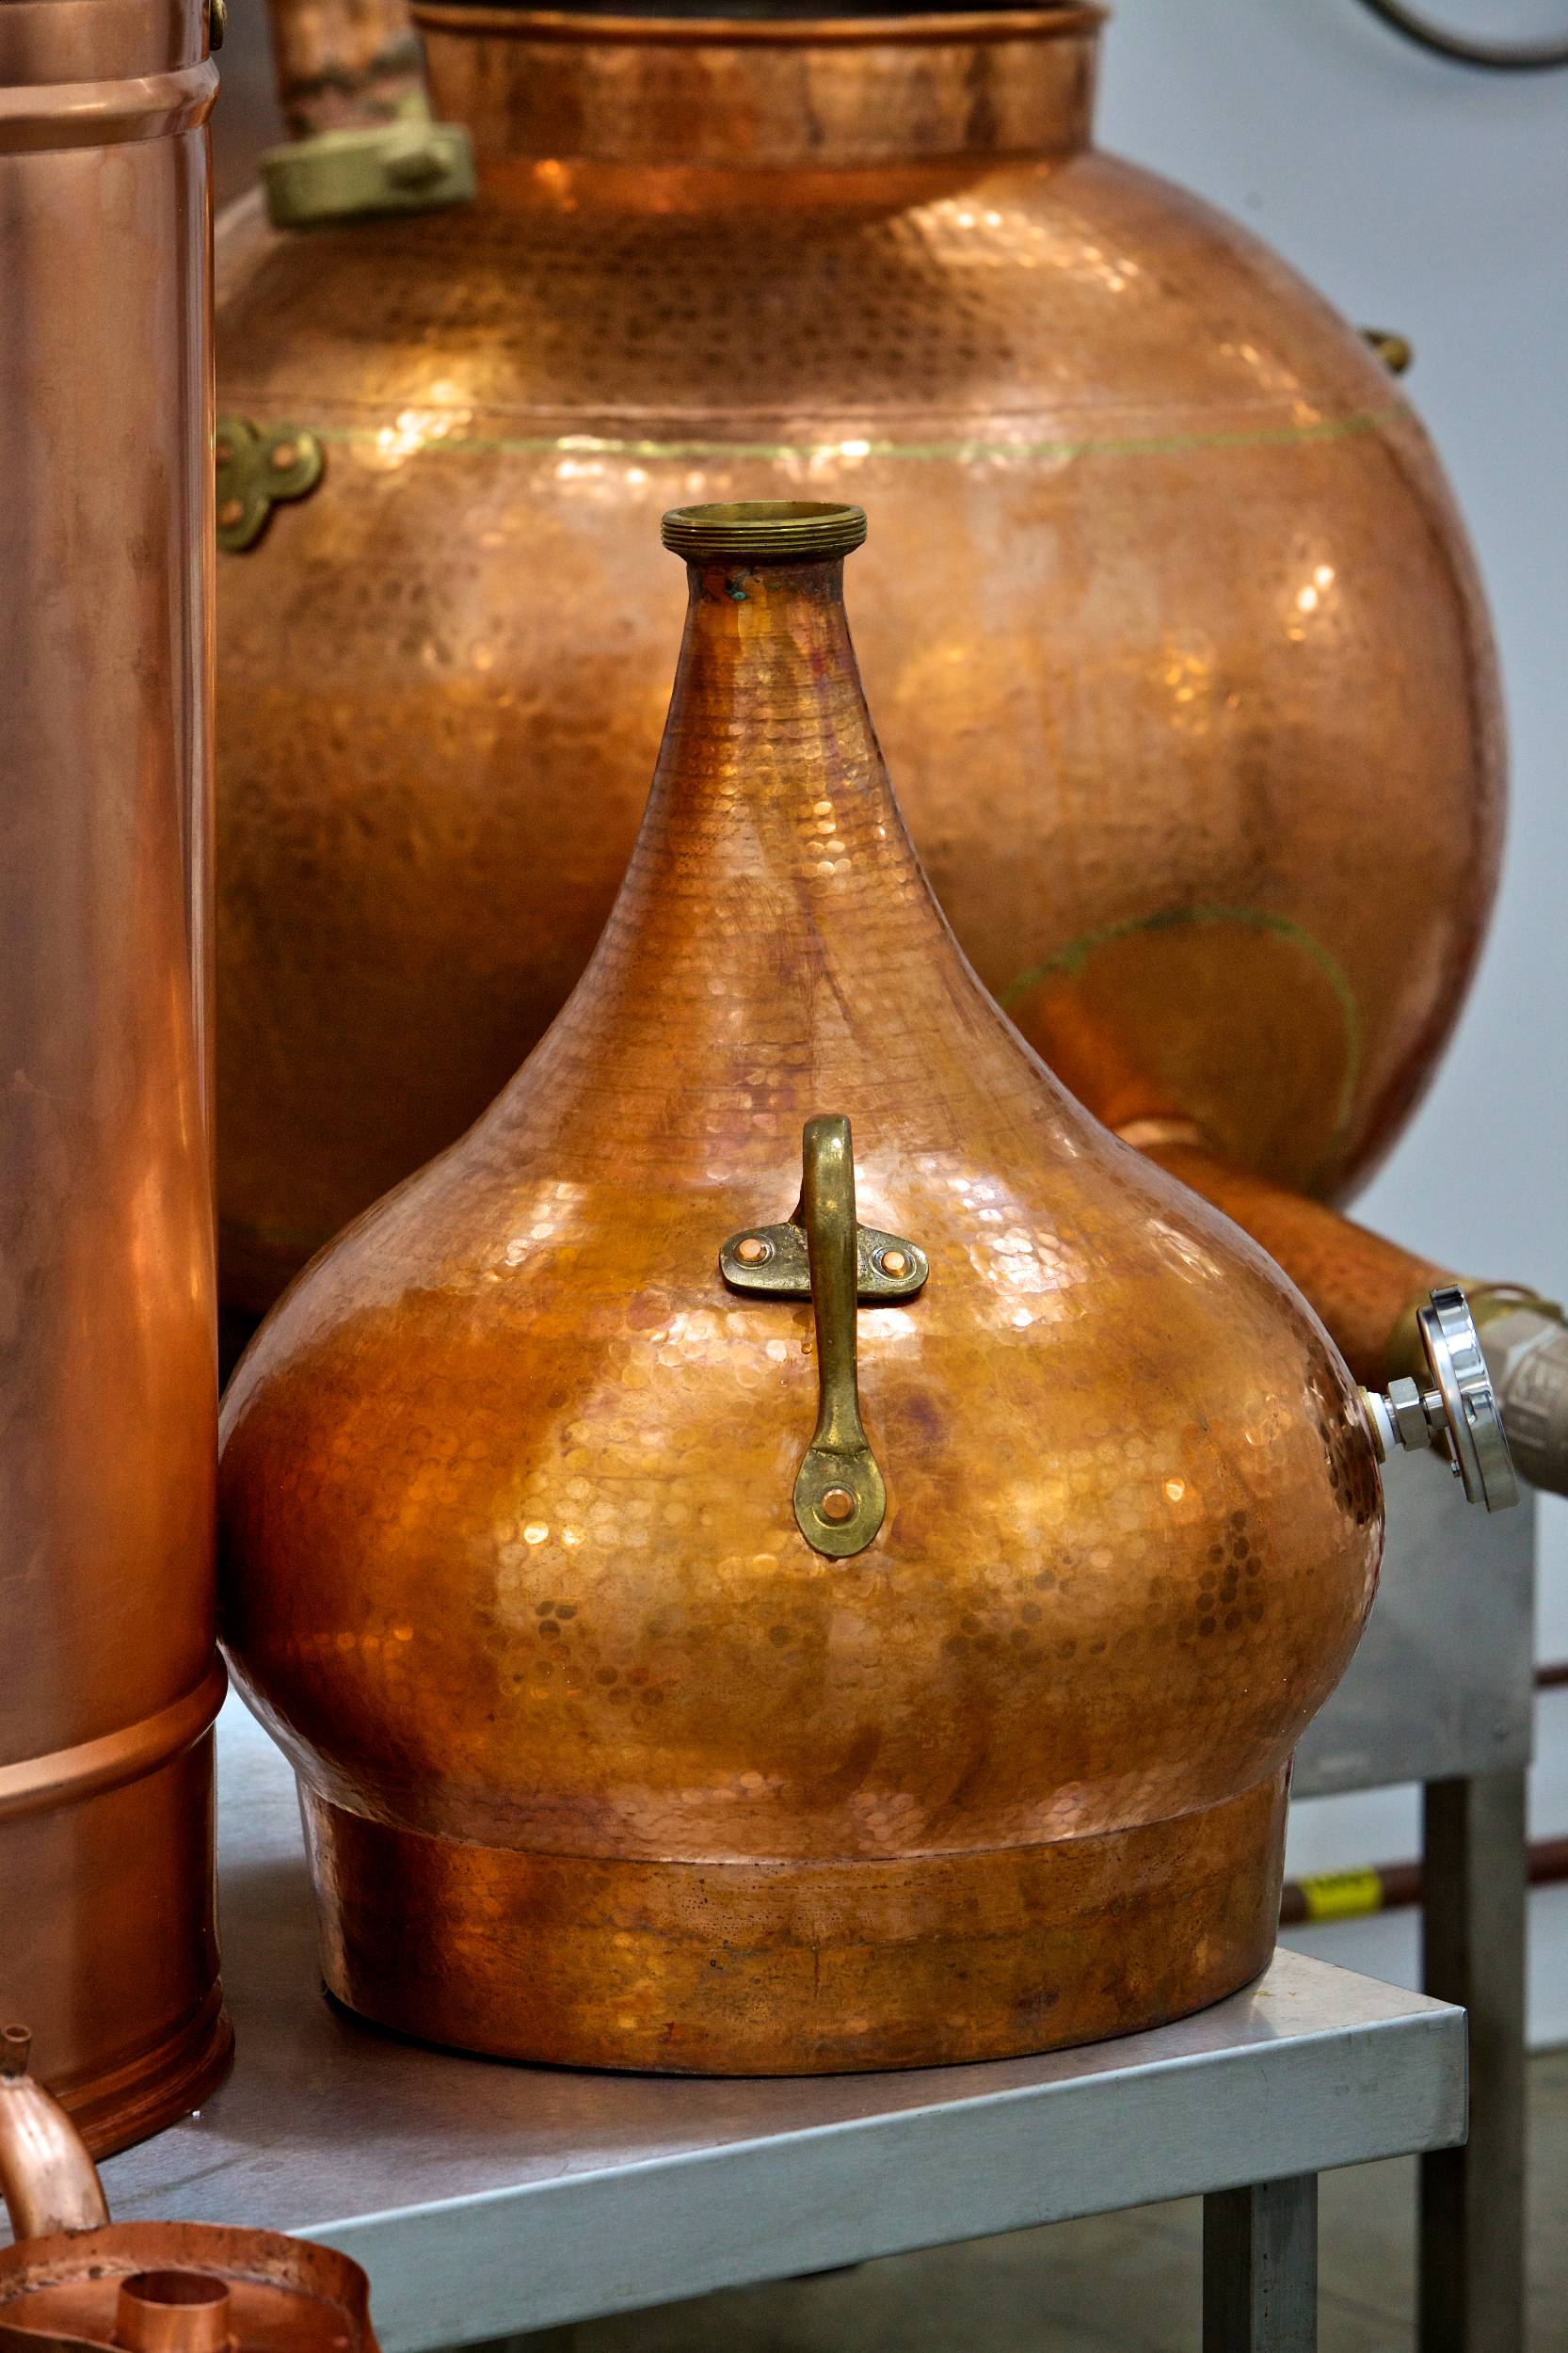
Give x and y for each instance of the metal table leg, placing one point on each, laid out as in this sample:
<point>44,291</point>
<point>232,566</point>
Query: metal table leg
<point>1472,2236</point>
<point>1260,2269</point>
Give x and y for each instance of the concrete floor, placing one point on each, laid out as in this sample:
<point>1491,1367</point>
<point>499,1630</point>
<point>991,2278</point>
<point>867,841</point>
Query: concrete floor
<point>1119,2283</point>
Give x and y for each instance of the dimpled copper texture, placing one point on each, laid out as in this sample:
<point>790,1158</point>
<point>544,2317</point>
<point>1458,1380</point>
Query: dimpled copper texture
<point>603,1762</point>
<point>1171,627</point>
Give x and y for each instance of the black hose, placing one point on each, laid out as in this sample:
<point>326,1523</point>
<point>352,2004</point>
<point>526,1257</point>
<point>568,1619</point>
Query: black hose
<point>1494,57</point>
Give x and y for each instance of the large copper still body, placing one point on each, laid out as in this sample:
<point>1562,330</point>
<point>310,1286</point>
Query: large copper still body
<point>1174,635</point>
<point>689,1670</point>
<point>108,1382</point>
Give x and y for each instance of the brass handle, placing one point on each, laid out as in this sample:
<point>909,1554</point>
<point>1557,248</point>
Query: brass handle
<point>840,1498</point>
<point>1394,349</point>
<point>841,1501</point>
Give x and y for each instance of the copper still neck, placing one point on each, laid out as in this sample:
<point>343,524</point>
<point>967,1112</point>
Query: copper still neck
<point>47,2178</point>
<point>340,64</point>
<point>561,104</point>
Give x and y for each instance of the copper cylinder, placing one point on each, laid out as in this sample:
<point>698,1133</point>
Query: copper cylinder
<point>1174,635</point>
<point>107,1378</point>
<point>611,1752</point>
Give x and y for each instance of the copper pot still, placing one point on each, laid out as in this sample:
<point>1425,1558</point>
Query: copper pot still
<point>108,1382</point>
<point>719,1638</point>
<point>1174,635</point>
<point>75,2279</point>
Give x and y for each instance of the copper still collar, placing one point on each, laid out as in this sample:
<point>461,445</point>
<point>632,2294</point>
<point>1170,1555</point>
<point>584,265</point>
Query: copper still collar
<point>819,95</point>
<point>782,530</point>
<point>793,28</point>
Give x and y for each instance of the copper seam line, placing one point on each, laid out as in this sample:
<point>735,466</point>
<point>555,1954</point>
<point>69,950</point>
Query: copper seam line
<point>67,1776</point>
<point>106,114</point>
<point>724,32</point>
<point>605,445</point>
<point>797,1867</point>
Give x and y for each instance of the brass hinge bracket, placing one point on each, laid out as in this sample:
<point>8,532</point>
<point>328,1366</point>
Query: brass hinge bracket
<point>255,471</point>
<point>409,165</point>
<point>825,1255</point>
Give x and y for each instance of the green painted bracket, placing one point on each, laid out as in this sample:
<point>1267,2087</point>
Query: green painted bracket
<point>411,164</point>
<point>255,471</point>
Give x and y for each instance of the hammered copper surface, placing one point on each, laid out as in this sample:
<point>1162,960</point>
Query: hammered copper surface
<point>1364,1287</point>
<point>604,1762</point>
<point>108,1390</point>
<point>1173,633</point>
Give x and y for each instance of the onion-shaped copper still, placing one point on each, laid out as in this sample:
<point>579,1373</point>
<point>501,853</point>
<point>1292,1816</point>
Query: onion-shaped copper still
<point>789,1548</point>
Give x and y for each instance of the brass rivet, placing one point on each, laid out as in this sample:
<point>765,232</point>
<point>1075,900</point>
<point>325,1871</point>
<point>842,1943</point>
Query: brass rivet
<point>895,1262</point>
<point>284,455</point>
<point>837,1506</point>
<point>753,1251</point>
<point>231,512</point>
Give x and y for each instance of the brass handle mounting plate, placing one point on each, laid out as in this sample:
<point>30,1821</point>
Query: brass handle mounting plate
<point>825,1254</point>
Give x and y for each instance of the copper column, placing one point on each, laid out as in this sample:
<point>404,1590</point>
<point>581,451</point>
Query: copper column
<point>107,1349</point>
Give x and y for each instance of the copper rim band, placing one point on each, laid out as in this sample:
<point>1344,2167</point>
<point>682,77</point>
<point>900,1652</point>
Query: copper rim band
<point>931,28</point>
<point>106,114</point>
<point>67,1775</point>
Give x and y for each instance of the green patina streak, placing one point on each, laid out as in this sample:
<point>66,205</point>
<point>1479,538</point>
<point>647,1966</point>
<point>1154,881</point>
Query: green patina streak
<point>1072,960</point>
<point>935,453</point>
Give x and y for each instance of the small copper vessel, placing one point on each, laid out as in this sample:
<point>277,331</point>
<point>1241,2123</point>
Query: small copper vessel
<point>107,1378</point>
<point>724,1639</point>
<point>75,2279</point>
<point>1174,635</point>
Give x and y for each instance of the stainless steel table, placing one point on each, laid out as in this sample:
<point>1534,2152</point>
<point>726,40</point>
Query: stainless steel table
<point>484,2199</point>
<point>1442,1692</point>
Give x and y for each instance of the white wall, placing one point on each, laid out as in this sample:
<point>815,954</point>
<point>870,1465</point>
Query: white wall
<point>1424,197</point>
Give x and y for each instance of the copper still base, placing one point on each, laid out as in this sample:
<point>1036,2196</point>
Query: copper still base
<point>116,1949</point>
<point>797,1968</point>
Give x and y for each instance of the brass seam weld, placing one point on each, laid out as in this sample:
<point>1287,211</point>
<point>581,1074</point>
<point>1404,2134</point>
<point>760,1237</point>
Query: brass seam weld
<point>106,114</point>
<point>598,445</point>
<point>67,1776</point>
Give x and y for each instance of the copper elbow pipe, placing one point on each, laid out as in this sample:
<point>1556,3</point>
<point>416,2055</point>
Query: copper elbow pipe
<point>1368,1290</point>
<point>47,2178</point>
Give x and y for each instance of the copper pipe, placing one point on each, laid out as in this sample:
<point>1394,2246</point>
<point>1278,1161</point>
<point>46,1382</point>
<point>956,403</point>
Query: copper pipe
<point>1353,1894</point>
<point>106,1369</point>
<point>1367,1290</point>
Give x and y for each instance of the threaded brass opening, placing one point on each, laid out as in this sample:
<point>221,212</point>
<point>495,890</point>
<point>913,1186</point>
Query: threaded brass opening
<point>764,528</point>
